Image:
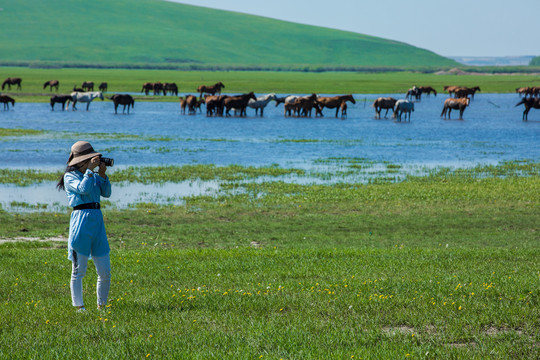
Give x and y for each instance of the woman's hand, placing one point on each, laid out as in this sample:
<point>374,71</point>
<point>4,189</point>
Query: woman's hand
<point>102,169</point>
<point>94,162</point>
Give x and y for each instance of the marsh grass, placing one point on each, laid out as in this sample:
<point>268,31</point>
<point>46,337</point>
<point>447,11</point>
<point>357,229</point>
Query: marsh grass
<point>443,266</point>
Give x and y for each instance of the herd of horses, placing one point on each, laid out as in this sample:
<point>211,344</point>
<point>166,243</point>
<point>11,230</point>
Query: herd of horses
<point>298,106</point>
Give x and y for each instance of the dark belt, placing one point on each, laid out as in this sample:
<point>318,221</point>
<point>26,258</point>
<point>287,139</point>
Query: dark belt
<point>87,206</point>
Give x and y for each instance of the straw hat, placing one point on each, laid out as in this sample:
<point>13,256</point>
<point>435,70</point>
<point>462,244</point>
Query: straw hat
<point>81,151</point>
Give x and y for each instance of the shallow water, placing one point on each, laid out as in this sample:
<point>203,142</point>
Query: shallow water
<point>492,131</point>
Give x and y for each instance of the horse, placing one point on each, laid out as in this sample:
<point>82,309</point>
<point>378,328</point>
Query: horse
<point>216,88</point>
<point>343,108</point>
<point>261,102</point>
<point>238,102</point>
<point>523,91</point>
<point>6,100</point>
<point>464,91</point>
<point>451,89</point>
<point>52,84</point>
<point>122,99</point>
<point>293,104</point>
<point>62,99</point>
<point>427,90</point>
<point>75,88</point>
<point>103,87</point>
<point>12,81</point>
<point>333,102</point>
<point>147,86</point>
<point>192,103</point>
<point>403,106</point>
<point>158,88</point>
<point>414,91</point>
<point>214,104</point>
<point>170,87</point>
<point>383,103</point>
<point>280,100</point>
<point>456,104</point>
<point>87,86</point>
<point>86,97</point>
<point>530,103</point>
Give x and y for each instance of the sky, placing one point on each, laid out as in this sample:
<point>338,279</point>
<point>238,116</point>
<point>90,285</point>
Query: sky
<point>449,28</point>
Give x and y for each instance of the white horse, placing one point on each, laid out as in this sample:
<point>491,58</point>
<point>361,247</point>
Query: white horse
<point>85,97</point>
<point>403,106</point>
<point>261,102</point>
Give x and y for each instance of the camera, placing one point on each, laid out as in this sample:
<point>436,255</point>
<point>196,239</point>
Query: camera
<point>107,161</point>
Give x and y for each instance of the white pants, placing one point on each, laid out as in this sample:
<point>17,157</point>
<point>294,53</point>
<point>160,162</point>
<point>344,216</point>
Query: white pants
<point>103,268</point>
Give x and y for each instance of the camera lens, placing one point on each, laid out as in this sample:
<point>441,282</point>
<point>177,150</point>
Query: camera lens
<point>107,161</point>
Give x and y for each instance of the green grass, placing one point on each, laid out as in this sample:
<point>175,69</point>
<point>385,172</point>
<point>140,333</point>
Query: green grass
<point>257,81</point>
<point>443,266</point>
<point>152,32</point>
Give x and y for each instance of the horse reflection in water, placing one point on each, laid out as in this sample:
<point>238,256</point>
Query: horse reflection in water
<point>85,97</point>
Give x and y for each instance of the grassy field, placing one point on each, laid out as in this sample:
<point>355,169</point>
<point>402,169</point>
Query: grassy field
<point>151,32</point>
<point>443,266</point>
<point>257,81</point>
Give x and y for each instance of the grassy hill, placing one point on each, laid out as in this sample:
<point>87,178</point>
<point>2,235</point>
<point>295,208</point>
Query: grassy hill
<point>535,61</point>
<point>158,33</point>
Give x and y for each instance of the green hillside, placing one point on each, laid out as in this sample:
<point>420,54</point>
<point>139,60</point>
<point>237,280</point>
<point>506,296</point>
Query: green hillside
<point>157,32</point>
<point>535,61</point>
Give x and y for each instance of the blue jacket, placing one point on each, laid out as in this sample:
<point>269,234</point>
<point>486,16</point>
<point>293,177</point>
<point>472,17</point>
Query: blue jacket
<point>86,228</point>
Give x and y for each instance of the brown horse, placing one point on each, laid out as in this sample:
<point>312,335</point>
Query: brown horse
<point>304,105</point>
<point>12,81</point>
<point>214,104</point>
<point>451,89</point>
<point>456,104</point>
<point>530,103</point>
<point>52,84</point>
<point>6,100</point>
<point>334,102</point>
<point>383,103</point>
<point>343,108</point>
<point>427,90</point>
<point>103,87</point>
<point>238,102</point>
<point>147,86</point>
<point>192,103</point>
<point>464,91</point>
<point>88,86</point>
<point>62,99</point>
<point>170,87</point>
<point>523,91</point>
<point>214,89</point>
<point>122,99</point>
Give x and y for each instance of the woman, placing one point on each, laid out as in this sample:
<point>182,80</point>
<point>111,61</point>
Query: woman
<point>87,237</point>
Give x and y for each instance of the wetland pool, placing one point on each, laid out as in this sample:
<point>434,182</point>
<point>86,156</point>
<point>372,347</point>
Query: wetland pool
<point>157,134</point>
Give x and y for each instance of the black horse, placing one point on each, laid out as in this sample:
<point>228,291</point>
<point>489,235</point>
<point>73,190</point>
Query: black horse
<point>122,99</point>
<point>530,103</point>
<point>62,99</point>
<point>103,87</point>
<point>6,100</point>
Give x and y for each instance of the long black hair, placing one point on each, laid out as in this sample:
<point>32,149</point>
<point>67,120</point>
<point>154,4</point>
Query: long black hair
<point>60,184</point>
